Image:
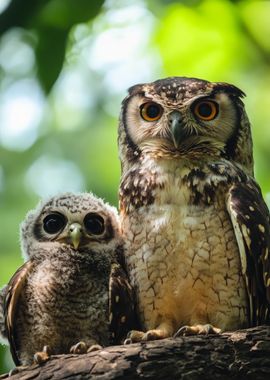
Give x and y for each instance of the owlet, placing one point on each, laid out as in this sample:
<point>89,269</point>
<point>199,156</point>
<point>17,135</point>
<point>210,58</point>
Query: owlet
<point>72,291</point>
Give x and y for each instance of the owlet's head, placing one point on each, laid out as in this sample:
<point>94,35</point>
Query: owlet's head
<point>78,220</point>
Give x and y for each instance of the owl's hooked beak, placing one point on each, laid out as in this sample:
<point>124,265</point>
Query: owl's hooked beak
<point>75,233</point>
<point>176,125</point>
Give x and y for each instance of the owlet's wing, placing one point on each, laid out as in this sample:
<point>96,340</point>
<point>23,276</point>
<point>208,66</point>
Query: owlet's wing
<point>12,295</point>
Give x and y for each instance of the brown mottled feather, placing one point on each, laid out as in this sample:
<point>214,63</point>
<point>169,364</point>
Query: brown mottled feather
<point>3,291</point>
<point>191,185</point>
<point>14,289</point>
<point>250,218</point>
<point>122,307</point>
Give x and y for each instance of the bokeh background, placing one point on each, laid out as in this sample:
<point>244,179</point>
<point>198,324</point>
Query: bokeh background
<point>65,65</point>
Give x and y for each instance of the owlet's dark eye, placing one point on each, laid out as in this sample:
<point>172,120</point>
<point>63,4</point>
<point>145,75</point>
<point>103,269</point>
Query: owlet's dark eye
<point>206,110</point>
<point>94,224</point>
<point>151,111</point>
<point>54,223</point>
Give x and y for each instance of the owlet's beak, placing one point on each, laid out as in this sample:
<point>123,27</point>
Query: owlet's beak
<point>176,126</point>
<point>75,234</point>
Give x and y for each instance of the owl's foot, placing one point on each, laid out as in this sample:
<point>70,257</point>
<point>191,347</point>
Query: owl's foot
<point>42,356</point>
<point>135,336</point>
<point>82,348</point>
<point>197,330</point>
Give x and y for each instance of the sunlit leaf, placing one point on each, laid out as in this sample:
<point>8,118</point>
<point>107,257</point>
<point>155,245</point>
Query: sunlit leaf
<point>255,15</point>
<point>197,41</point>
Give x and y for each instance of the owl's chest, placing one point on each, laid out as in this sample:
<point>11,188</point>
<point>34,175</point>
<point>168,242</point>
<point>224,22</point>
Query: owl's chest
<point>68,284</point>
<point>66,294</point>
<point>176,230</point>
<point>183,258</point>
<point>179,240</point>
<point>58,310</point>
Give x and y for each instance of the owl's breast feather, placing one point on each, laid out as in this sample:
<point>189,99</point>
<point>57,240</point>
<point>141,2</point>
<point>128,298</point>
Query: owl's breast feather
<point>182,254</point>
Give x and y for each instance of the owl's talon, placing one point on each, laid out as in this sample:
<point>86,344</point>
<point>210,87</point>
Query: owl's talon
<point>79,348</point>
<point>14,371</point>
<point>197,330</point>
<point>42,356</point>
<point>94,347</point>
<point>47,350</point>
<point>181,332</point>
<point>127,341</point>
<point>151,335</point>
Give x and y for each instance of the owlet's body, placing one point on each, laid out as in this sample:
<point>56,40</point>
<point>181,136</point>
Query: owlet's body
<point>61,295</point>
<point>194,221</point>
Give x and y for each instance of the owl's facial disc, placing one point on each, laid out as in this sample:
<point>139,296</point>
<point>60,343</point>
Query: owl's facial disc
<point>72,230</point>
<point>161,127</point>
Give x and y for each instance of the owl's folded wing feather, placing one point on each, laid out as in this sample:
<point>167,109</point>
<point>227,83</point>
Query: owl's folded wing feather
<point>3,333</point>
<point>12,294</point>
<point>250,218</point>
<point>122,308</point>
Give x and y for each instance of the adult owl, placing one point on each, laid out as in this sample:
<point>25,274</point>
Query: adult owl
<point>72,289</point>
<point>194,221</point>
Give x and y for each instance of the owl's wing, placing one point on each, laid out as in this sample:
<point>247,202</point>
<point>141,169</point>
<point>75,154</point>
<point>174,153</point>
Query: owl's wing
<point>12,294</point>
<point>122,308</point>
<point>251,222</point>
<point>3,333</point>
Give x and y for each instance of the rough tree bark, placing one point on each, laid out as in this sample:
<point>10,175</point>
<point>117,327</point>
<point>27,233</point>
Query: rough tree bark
<point>244,354</point>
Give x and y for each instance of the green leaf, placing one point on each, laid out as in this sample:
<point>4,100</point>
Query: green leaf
<point>50,54</point>
<point>64,14</point>
<point>19,13</point>
<point>52,21</point>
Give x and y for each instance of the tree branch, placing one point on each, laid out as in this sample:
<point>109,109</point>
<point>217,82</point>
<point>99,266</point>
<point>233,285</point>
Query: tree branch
<point>244,354</point>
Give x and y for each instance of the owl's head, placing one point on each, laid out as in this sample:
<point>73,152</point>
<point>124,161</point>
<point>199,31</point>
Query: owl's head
<point>188,118</point>
<point>81,221</point>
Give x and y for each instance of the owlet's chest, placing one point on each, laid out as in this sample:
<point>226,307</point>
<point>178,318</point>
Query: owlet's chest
<point>67,285</point>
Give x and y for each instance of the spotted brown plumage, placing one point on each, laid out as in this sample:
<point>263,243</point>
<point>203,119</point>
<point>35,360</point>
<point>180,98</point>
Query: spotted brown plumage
<point>195,226</point>
<point>12,295</point>
<point>250,219</point>
<point>122,308</point>
<point>61,296</point>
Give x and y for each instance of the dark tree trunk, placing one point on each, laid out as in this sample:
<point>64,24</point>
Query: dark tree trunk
<point>244,354</point>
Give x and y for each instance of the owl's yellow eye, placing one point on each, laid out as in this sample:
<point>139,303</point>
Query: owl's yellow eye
<point>151,111</point>
<point>206,110</point>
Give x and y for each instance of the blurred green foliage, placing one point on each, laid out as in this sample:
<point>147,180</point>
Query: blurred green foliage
<point>51,21</point>
<point>65,66</point>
